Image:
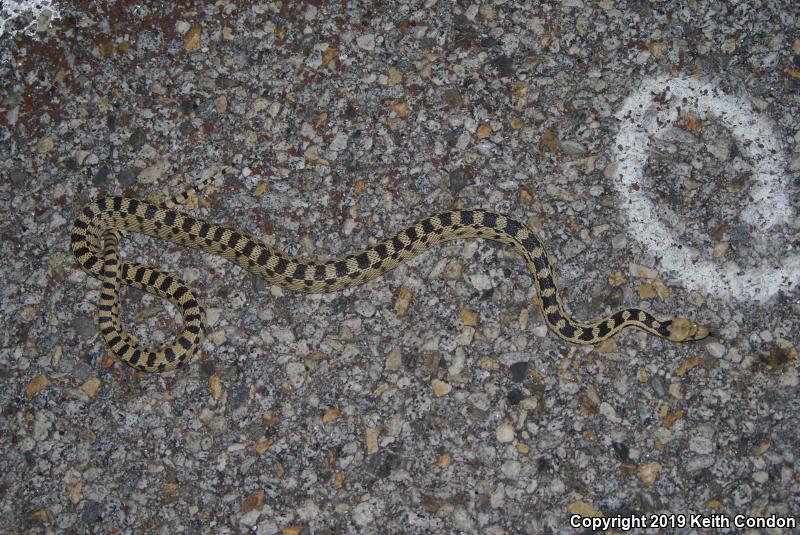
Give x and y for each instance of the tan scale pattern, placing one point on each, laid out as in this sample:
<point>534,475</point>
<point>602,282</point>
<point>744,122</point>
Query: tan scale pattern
<point>107,219</point>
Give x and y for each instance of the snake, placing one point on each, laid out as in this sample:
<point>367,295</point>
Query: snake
<point>98,228</point>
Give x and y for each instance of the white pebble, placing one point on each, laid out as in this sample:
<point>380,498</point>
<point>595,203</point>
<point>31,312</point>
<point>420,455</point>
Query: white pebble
<point>716,349</point>
<point>366,41</point>
<point>504,432</point>
<point>540,330</point>
<point>511,469</point>
<point>701,445</point>
<point>365,308</point>
<point>609,412</point>
<point>297,373</point>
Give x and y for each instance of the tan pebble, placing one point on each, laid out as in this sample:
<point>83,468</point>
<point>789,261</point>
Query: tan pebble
<point>469,317</point>
<point>599,230</point>
<point>270,418</point>
<point>440,388</point>
<point>489,364</point>
<point>549,140</point>
<point>394,360</point>
<point>215,387</point>
<point>517,123</point>
<point>35,385</point>
<point>606,346</point>
<point>796,46</point>
<point>720,249</point>
<point>261,104</point>
<point>394,76</point>
<point>649,472</point>
<point>657,49</point>
<point>584,509</point>
<point>331,414</point>
<point>217,337</point>
<point>504,432</point>
<point>107,361</point>
<point>487,11</point>
<point>484,131</point>
<point>646,291</point>
<point>403,301</point>
<point>294,529</point>
<point>534,223</point>
<point>170,488</point>
<point>794,73</point>
<point>588,404</point>
<point>522,448</point>
<point>254,501</point>
<point>106,48</point>
<point>371,439</point>
<point>359,187</point>
<point>781,354</point>
<point>616,279</point>
<point>329,54</point>
<point>221,104</point>
<point>452,271</point>
<point>643,272</point>
<point>675,391</point>
<point>642,375</point>
<point>260,188</point>
<point>519,89</point>
<point>42,515</point>
<point>444,460</point>
<point>400,108</point>
<point>91,386</point>
<point>729,46</point>
<point>661,289</point>
<point>261,445</point>
<point>75,492</point>
<point>697,299</point>
<point>714,504</point>
<point>524,318</point>
<point>227,33</point>
<point>670,418</point>
<point>525,195</point>
<point>684,368</point>
<point>45,144</point>
<point>338,480</point>
<point>693,122</point>
<point>191,43</point>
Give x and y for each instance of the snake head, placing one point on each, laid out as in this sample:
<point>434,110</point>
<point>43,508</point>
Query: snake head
<point>683,330</point>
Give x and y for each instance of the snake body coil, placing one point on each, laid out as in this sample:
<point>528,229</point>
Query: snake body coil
<point>105,220</point>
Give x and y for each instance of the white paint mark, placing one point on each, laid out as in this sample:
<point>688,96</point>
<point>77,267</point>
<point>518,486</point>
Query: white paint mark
<point>643,118</point>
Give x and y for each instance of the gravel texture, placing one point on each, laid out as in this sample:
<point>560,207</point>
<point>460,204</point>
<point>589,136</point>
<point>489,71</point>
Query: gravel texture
<point>433,399</point>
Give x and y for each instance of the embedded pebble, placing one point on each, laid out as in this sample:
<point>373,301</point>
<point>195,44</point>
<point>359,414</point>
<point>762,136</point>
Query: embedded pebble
<point>715,349</point>
<point>440,388</point>
<point>648,472</point>
<point>504,432</point>
<point>700,444</point>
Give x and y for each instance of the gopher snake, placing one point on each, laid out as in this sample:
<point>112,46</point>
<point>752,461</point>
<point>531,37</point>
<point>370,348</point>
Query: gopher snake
<point>106,219</point>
